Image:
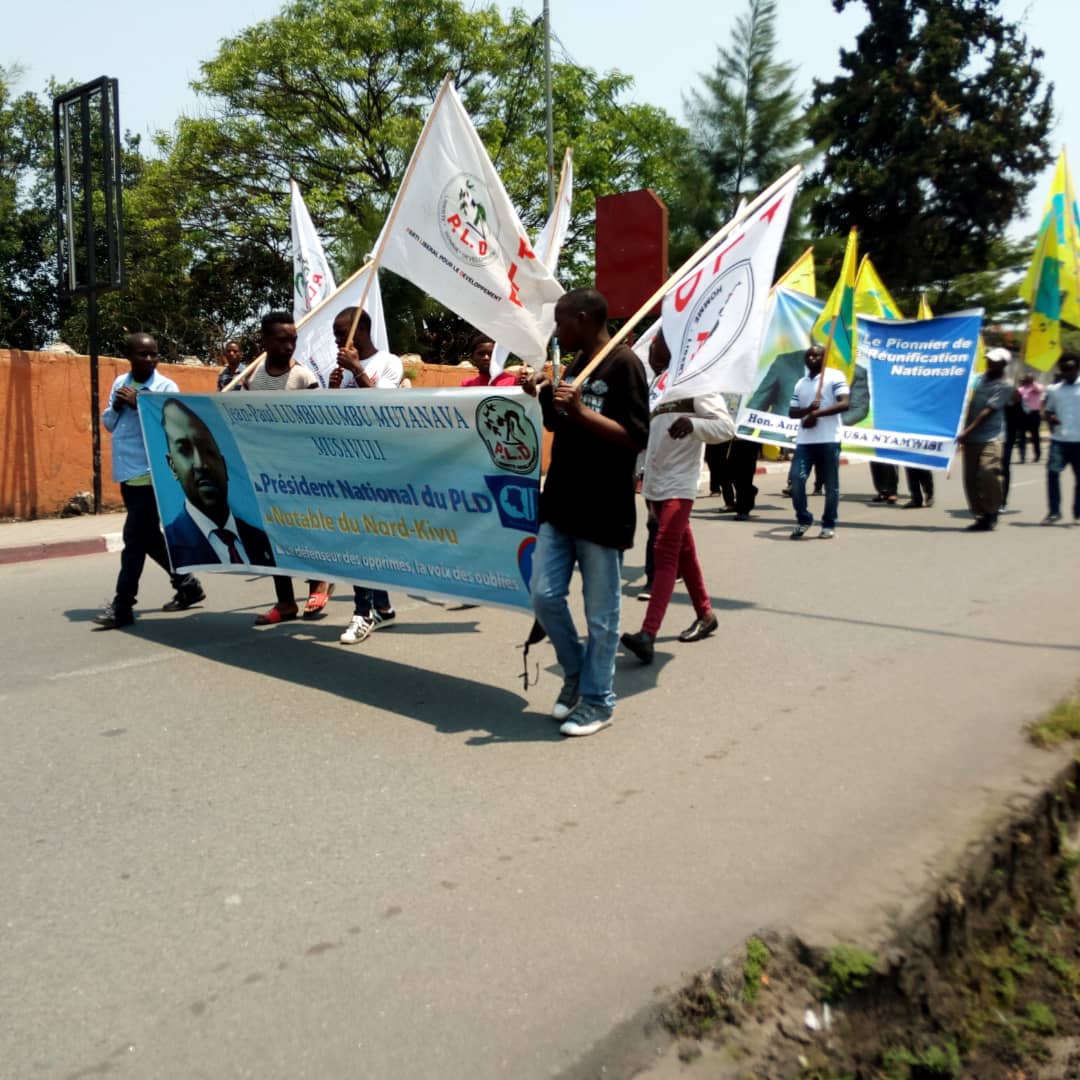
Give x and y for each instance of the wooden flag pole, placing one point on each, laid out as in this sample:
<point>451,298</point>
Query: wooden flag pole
<point>259,360</point>
<point>376,259</point>
<point>686,267</point>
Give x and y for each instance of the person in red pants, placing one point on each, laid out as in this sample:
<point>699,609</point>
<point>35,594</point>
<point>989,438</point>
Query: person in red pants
<point>678,432</point>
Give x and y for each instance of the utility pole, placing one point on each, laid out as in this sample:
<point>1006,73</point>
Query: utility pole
<point>550,118</point>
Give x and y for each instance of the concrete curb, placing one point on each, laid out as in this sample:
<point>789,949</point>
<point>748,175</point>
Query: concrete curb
<point>61,549</point>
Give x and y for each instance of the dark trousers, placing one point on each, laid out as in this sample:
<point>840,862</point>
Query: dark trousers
<point>364,598</point>
<point>1062,455</point>
<point>720,479</point>
<point>920,484</point>
<point>742,463</point>
<point>142,537</point>
<point>886,478</point>
<point>1029,426</point>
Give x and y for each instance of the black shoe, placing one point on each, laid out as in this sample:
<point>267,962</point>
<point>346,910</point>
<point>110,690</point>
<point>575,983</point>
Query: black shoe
<point>819,490</point>
<point>640,644</point>
<point>912,505</point>
<point>742,517</point>
<point>700,628</point>
<point>113,617</point>
<point>185,598</point>
<point>786,491</point>
<point>980,525</point>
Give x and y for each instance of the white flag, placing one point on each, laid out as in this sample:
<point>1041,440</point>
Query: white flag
<point>548,245</point>
<point>714,318</point>
<point>454,232</point>
<point>313,281</point>
<point>315,345</point>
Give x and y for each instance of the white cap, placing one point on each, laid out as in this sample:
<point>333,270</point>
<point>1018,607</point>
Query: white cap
<point>998,356</point>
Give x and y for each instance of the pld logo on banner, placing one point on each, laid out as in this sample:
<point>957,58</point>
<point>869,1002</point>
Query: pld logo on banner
<point>508,434</point>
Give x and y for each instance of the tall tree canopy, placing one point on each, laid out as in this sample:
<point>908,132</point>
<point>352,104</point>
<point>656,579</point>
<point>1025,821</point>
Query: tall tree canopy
<point>747,124</point>
<point>28,296</point>
<point>933,136</point>
<point>333,93</point>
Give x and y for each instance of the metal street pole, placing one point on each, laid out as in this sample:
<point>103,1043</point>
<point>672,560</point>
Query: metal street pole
<point>550,117</point>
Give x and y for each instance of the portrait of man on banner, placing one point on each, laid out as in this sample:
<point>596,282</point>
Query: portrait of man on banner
<point>206,529</point>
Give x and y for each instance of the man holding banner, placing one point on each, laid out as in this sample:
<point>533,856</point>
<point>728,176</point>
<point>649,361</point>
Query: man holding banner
<point>587,512</point>
<point>819,398</point>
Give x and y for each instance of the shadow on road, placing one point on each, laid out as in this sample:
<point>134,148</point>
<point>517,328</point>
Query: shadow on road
<point>297,652</point>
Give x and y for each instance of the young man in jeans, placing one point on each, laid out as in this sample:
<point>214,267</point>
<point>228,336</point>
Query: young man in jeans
<point>818,400</point>
<point>587,513</point>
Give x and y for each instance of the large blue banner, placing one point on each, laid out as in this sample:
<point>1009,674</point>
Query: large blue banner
<point>919,373</point>
<point>428,491</point>
<point>910,382</point>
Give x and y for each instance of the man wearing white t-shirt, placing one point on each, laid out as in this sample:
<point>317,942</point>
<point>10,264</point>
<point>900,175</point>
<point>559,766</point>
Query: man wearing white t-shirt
<point>361,366</point>
<point>818,400</point>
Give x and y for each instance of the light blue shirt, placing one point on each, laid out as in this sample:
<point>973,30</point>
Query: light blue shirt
<point>129,460</point>
<point>1063,400</point>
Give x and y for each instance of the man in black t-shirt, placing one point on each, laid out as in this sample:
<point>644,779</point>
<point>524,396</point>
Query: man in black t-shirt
<point>587,505</point>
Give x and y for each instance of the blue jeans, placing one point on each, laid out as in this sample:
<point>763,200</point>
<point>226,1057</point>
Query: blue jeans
<point>826,458</point>
<point>591,661</point>
<point>1062,454</point>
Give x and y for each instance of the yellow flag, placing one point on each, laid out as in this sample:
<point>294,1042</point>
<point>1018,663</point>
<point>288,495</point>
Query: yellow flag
<point>924,308</point>
<point>800,275</point>
<point>871,296</point>
<point>835,327</point>
<point>1063,214</point>
<point>1043,345</point>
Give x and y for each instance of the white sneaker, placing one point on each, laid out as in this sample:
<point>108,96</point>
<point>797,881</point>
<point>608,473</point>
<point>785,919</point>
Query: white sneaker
<point>359,629</point>
<point>567,699</point>
<point>827,534</point>
<point>585,719</point>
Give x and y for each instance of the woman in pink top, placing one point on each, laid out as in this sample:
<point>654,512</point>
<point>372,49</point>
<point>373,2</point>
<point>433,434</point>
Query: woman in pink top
<point>1032,396</point>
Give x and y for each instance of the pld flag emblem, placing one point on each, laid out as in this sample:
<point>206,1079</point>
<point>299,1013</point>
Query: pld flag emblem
<point>453,232</point>
<point>714,318</point>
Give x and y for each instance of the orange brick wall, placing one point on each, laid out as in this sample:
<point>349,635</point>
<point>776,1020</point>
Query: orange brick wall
<point>45,437</point>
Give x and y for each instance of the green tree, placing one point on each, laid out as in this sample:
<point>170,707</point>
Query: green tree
<point>27,225</point>
<point>933,136</point>
<point>747,124</point>
<point>333,93</point>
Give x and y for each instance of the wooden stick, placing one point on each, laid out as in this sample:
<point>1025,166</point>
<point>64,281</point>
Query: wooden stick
<point>376,259</point>
<point>683,270</point>
<point>259,360</point>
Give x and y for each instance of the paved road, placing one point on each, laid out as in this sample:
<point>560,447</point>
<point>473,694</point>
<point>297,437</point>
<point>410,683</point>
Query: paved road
<point>232,853</point>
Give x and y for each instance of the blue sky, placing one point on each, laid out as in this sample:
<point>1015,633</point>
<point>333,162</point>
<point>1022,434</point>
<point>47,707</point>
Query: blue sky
<point>155,49</point>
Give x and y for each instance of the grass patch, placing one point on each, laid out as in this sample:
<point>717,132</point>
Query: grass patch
<point>757,956</point>
<point>934,1061</point>
<point>1061,723</point>
<point>847,969</point>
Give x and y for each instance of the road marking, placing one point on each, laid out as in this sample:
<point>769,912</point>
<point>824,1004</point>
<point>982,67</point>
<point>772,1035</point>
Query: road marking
<point>105,669</point>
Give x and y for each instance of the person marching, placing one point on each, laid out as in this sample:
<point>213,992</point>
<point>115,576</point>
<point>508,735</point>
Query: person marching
<point>677,431</point>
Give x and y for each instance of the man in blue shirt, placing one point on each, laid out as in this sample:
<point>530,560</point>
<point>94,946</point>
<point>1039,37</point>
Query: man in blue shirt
<point>1063,415</point>
<point>142,527</point>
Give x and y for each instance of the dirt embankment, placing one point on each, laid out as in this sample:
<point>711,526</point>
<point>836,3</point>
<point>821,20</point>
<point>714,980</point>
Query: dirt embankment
<point>983,981</point>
